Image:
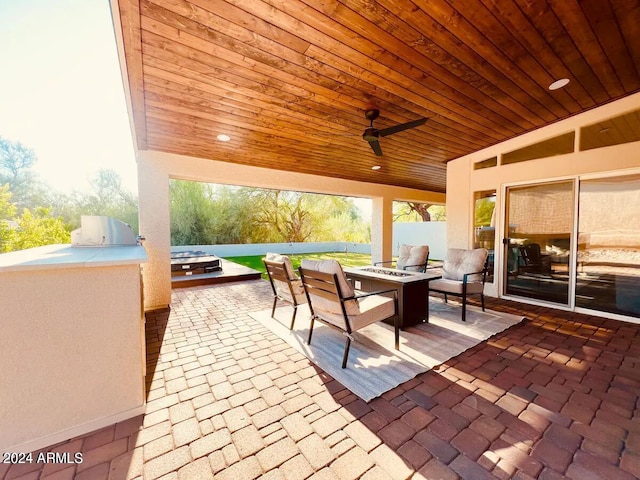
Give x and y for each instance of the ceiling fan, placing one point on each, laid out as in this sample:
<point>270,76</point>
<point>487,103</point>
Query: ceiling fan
<point>371,134</point>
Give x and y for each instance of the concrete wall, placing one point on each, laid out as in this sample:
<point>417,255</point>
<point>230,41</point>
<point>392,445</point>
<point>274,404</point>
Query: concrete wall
<point>433,234</point>
<point>283,248</point>
<point>463,180</point>
<point>155,169</point>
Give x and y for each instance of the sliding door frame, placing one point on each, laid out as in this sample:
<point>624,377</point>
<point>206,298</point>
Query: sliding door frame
<point>573,266</point>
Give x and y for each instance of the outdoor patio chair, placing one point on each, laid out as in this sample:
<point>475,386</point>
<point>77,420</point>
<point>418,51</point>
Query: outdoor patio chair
<point>412,258</point>
<point>464,273</point>
<point>285,284</point>
<point>531,260</point>
<point>333,302</point>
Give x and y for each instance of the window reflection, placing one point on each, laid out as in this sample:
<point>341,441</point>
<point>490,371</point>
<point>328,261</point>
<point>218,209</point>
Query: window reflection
<point>609,245</point>
<point>484,226</point>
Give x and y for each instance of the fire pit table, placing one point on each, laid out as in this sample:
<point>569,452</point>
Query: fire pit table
<point>412,288</point>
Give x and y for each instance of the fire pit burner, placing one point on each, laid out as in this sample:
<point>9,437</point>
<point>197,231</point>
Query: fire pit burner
<point>394,273</point>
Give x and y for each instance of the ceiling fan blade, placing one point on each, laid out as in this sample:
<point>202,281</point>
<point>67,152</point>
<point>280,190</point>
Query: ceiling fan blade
<point>375,146</point>
<point>403,126</point>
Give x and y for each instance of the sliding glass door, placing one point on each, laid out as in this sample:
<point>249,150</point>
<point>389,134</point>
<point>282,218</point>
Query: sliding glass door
<point>579,252</point>
<point>538,239</point>
<point>608,277</point>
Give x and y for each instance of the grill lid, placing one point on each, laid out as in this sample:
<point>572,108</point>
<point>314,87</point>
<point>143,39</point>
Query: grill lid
<point>102,231</point>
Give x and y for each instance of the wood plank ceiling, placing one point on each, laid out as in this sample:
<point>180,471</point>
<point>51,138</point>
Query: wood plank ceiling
<point>289,80</point>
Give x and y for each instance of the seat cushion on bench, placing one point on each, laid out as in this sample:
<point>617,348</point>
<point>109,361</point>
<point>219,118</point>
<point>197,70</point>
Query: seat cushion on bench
<point>446,285</point>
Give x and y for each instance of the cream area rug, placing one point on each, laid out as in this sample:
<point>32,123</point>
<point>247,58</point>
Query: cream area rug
<point>374,366</point>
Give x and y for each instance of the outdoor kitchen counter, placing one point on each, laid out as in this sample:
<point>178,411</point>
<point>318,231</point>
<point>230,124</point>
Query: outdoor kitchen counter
<point>71,342</point>
<point>66,256</point>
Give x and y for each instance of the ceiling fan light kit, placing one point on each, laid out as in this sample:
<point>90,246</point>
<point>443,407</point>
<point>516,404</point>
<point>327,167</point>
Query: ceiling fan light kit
<point>371,134</point>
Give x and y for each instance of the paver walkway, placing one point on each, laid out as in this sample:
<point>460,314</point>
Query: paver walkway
<point>554,397</point>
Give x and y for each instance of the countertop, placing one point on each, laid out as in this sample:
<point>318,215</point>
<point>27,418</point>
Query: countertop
<point>68,256</point>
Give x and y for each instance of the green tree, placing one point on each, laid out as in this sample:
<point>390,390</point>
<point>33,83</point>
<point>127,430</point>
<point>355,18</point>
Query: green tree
<point>282,216</point>
<point>418,212</point>
<point>232,215</point>
<point>484,211</point>
<point>191,213</point>
<point>7,212</point>
<point>37,229</point>
<point>218,214</point>
<point>16,162</point>
<point>106,197</point>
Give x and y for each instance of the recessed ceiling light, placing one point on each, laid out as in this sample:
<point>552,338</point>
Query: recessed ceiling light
<point>376,167</point>
<point>559,84</point>
<point>223,138</point>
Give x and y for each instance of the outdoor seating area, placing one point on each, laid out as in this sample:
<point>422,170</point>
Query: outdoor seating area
<point>555,396</point>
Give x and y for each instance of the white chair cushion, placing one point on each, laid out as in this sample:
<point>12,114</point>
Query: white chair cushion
<point>373,308</point>
<point>288,266</point>
<point>321,303</point>
<point>412,255</point>
<point>458,262</point>
<point>454,286</point>
<point>281,287</point>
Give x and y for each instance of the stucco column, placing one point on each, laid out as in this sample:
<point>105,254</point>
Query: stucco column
<point>153,197</point>
<point>381,229</point>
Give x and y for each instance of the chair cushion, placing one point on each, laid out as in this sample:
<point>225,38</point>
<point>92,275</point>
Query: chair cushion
<point>282,288</point>
<point>373,308</point>
<point>288,266</point>
<point>320,303</point>
<point>459,261</point>
<point>454,286</point>
<point>412,255</point>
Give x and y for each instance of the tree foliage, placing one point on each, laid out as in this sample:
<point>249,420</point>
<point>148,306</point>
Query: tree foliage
<point>207,214</point>
<point>37,229</point>
<point>16,162</point>
<point>484,211</point>
<point>7,213</point>
<point>32,214</point>
<point>418,212</point>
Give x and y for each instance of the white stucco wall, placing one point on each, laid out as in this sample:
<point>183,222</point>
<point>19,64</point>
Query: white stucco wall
<point>71,351</point>
<point>433,234</point>
<point>156,168</point>
<point>463,180</point>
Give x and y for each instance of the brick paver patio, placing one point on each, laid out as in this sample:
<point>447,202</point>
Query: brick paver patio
<point>554,397</point>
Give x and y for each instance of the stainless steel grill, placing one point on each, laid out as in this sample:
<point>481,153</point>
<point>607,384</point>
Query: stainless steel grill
<point>103,231</point>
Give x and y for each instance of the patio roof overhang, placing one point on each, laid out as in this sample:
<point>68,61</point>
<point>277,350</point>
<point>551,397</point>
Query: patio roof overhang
<point>290,81</point>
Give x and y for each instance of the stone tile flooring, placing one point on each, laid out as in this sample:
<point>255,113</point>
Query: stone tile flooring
<point>554,397</point>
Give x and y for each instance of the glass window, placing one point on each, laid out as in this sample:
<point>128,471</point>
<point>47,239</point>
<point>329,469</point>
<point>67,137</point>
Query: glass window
<point>484,226</point>
<point>609,245</point>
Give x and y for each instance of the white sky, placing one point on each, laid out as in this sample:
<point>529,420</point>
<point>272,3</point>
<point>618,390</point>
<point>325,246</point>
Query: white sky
<point>61,92</point>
